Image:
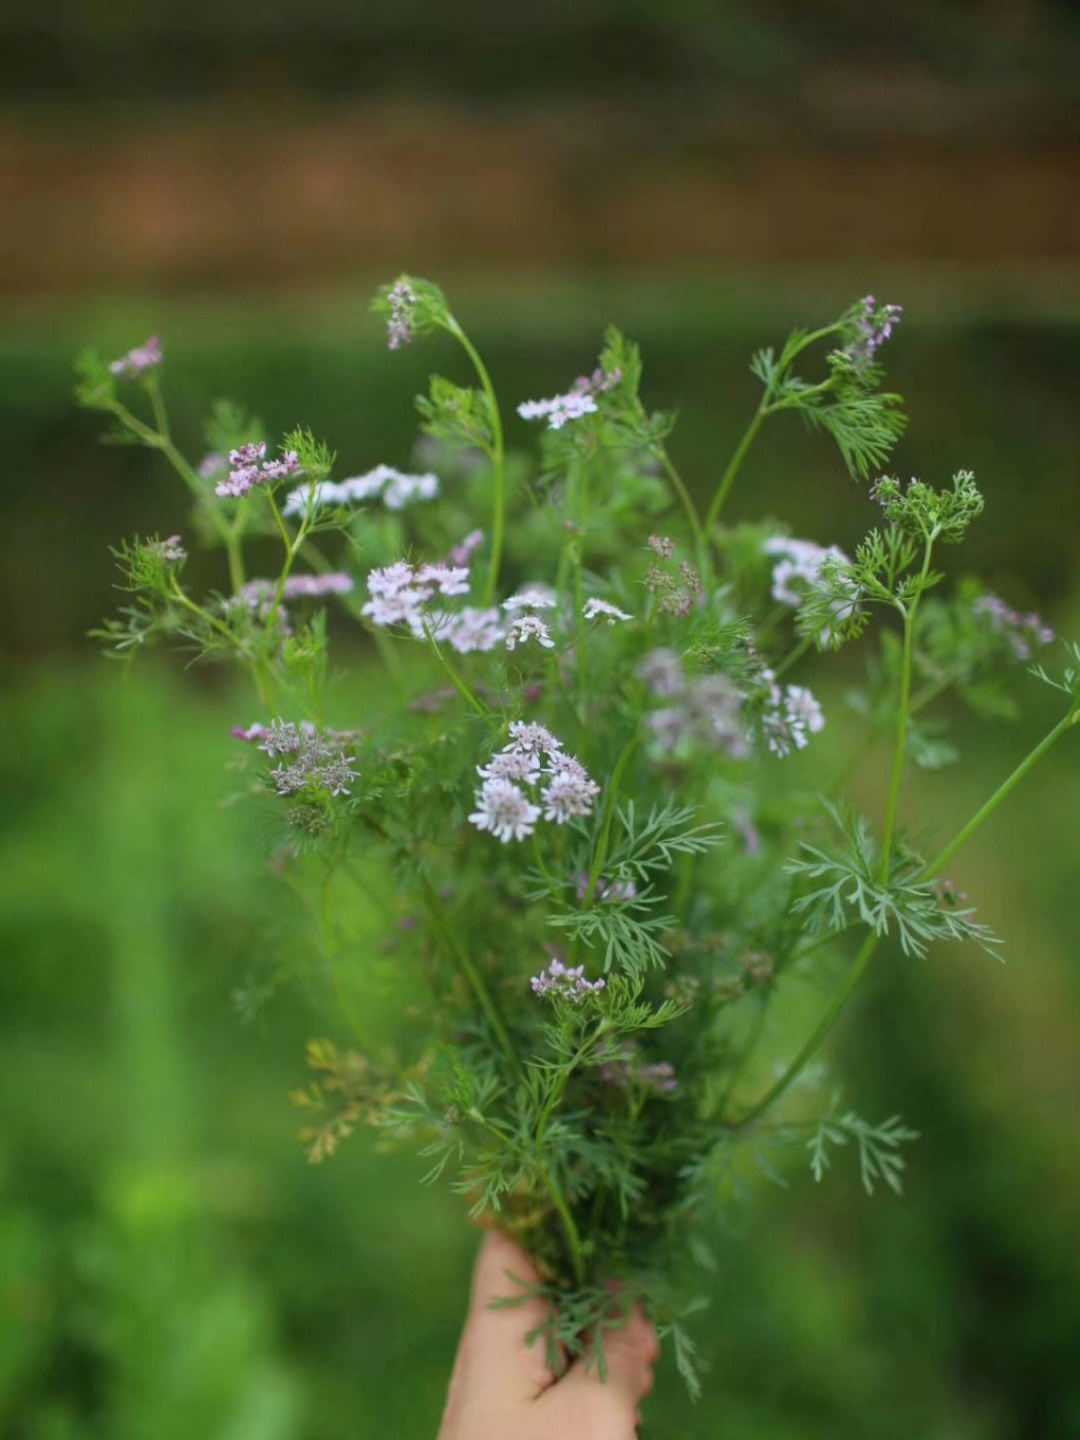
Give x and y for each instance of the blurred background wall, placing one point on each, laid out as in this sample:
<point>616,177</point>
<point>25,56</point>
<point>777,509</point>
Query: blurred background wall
<point>237,179</point>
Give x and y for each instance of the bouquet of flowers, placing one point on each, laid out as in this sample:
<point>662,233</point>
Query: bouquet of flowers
<point>573,806</point>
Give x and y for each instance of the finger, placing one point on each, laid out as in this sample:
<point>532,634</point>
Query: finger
<point>493,1343</point>
<point>629,1355</point>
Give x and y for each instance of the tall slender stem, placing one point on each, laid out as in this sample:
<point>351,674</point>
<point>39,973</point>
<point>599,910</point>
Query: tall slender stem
<point>983,813</point>
<point>728,477</point>
<point>824,1025</point>
<point>464,962</point>
<point>687,503</point>
<point>902,722</point>
<point>498,460</point>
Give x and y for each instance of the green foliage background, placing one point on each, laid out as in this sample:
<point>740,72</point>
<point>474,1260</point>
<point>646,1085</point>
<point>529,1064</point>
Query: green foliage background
<point>170,1265</point>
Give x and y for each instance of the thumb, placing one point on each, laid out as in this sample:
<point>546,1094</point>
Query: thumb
<point>493,1344</point>
<point>630,1351</point>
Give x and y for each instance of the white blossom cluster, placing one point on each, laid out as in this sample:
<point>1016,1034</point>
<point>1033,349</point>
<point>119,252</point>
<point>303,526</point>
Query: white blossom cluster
<point>711,711</point>
<point>395,489</point>
<point>530,778</point>
<point>312,757</point>
<point>794,714</point>
<point>703,710</point>
<point>800,570</point>
<point>400,595</point>
<point>400,591</point>
<point>1020,631</point>
<point>567,982</point>
<point>559,409</point>
<point>800,562</point>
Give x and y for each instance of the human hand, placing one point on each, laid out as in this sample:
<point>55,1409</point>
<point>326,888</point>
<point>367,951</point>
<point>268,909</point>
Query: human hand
<point>503,1389</point>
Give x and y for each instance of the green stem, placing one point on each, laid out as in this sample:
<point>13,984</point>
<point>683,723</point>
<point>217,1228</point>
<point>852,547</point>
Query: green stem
<point>902,723</point>
<point>794,657</point>
<point>756,1027</point>
<point>464,962</point>
<point>573,1236</point>
<point>498,460</point>
<point>728,477</point>
<point>689,508</point>
<point>558,1199</point>
<point>459,684</point>
<point>159,440</point>
<point>822,1028</point>
<point>600,853</point>
<point>1004,789</point>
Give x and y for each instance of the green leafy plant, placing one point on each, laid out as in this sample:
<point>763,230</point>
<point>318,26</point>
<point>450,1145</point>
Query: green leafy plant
<point>573,821</point>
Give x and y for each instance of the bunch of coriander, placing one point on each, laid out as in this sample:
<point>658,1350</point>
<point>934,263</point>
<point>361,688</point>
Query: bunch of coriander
<point>572,809</point>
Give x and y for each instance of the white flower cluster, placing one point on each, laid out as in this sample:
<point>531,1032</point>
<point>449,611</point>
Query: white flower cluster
<point>395,489</point>
<point>711,710</point>
<point>1020,631</point>
<point>258,592</point>
<point>400,591</point>
<point>559,409</point>
<point>801,562</point>
<point>529,778</point>
<point>400,594</point>
<point>705,710</point>
<point>250,467</point>
<point>794,714</point>
<point>799,570</point>
<point>567,982</point>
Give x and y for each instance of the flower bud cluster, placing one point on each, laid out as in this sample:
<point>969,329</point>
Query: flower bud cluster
<point>530,778</point>
<point>873,324</point>
<point>399,328</point>
<point>138,360</point>
<point>565,983</point>
<point>249,468</point>
<point>316,760</point>
<point>169,551</point>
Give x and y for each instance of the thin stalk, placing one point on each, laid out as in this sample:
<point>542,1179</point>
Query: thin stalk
<point>498,460</point>
<point>794,657</point>
<point>573,1235</point>
<point>687,503</point>
<point>766,407</point>
<point>159,440</point>
<point>822,1028</point>
<point>464,962</point>
<point>459,684</point>
<point>728,477</point>
<point>1004,789</point>
<point>756,1027</point>
<point>901,729</point>
<point>600,853</point>
<point>569,1225</point>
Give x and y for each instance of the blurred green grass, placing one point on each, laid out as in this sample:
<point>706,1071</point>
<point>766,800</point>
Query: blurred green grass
<point>171,1264</point>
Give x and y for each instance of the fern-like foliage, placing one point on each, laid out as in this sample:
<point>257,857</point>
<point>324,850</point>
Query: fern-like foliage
<point>878,1146</point>
<point>852,888</point>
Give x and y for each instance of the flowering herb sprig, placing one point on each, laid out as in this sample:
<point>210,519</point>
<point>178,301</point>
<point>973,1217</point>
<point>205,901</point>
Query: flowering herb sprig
<point>571,827</point>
